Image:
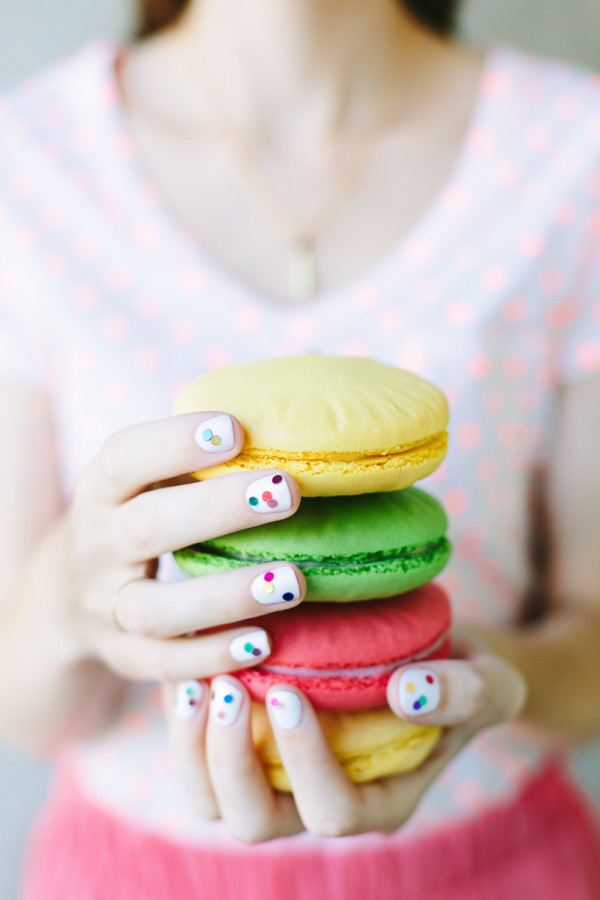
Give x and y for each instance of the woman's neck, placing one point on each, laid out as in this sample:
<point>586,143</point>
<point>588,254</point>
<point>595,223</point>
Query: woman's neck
<point>290,70</point>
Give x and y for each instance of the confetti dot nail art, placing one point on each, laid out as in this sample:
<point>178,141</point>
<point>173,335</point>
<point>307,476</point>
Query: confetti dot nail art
<point>419,691</point>
<point>269,494</point>
<point>225,703</point>
<point>276,586</point>
<point>188,695</point>
<point>250,646</point>
<point>286,707</point>
<point>216,434</point>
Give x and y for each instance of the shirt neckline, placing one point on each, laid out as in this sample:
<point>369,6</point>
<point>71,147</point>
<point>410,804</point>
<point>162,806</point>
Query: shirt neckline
<point>395,260</point>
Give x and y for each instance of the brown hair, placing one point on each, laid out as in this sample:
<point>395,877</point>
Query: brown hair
<point>438,14</point>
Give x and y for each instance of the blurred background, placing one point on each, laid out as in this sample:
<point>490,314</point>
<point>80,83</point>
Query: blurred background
<point>34,32</point>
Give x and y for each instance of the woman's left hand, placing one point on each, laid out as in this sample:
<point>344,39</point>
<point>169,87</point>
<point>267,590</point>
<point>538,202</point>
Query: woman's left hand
<point>226,779</point>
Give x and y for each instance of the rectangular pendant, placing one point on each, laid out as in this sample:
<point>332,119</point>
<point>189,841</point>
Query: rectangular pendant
<point>302,270</point>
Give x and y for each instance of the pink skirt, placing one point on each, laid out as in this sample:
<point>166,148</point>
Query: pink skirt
<point>543,846</point>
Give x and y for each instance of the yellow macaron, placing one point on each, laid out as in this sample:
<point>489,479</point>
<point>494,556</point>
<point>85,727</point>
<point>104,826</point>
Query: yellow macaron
<point>339,425</point>
<point>369,744</point>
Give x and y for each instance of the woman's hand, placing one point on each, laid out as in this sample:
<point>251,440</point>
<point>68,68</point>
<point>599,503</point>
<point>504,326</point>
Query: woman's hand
<point>214,737</point>
<point>116,529</point>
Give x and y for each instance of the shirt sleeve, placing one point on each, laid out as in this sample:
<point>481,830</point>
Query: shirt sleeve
<point>24,333</point>
<point>24,354</point>
<point>579,338</point>
<point>578,345</point>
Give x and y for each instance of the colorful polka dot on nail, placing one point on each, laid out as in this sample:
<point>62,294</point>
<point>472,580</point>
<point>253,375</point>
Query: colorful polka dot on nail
<point>267,496</point>
<point>253,501</point>
<point>209,435</point>
<point>288,596</point>
<point>277,479</point>
<point>228,698</point>
<point>269,576</point>
<point>191,696</point>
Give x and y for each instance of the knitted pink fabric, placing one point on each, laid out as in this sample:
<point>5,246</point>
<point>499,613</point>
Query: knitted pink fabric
<point>546,844</point>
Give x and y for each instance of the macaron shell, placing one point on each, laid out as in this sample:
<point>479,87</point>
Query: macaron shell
<point>349,548</point>
<point>340,425</point>
<point>359,582</point>
<point>369,744</point>
<point>334,693</point>
<point>374,632</point>
<point>331,637</point>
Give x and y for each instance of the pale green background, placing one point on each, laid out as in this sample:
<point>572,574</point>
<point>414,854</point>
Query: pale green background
<point>33,32</point>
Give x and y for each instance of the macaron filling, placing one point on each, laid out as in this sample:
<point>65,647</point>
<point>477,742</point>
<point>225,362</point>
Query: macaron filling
<point>355,672</point>
<point>379,560</point>
<point>432,445</point>
<point>349,548</point>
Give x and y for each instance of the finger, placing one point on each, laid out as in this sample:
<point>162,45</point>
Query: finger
<point>140,658</point>
<point>480,692</point>
<point>250,808</point>
<point>328,803</point>
<point>160,609</point>
<point>167,519</point>
<point>141,455</point>
<point>388,803</point>
<point>186,705</point>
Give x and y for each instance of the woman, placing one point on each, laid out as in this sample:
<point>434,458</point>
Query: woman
<point>253,179</point>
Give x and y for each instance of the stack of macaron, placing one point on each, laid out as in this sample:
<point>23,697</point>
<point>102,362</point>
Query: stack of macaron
<point>356,435</point>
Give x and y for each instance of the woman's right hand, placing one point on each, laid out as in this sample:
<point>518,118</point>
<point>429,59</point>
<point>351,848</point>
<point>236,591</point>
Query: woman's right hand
<point>123,517</point>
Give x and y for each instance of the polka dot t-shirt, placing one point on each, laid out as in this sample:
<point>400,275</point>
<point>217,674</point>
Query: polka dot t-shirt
<point>110,305</point>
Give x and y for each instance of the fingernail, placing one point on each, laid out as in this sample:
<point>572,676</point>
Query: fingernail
<point>276,586</point>
<point>286,708</point>
<point>188,695</point>
<point>269,494</point>
<point>419,691</point>
<point>250,647</point>
<point>215,435</point>
<point>225,703</point>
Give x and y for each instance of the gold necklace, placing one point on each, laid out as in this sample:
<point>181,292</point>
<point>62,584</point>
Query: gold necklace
<point>302,261</point>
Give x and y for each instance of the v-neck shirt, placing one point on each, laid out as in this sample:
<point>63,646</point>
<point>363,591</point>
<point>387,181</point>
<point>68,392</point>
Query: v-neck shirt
<point>110,305</point>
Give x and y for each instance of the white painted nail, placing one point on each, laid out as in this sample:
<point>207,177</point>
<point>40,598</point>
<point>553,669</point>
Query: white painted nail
<point>225,703</point>
<point>250,647</point>
<point>286,709</point>
<point>419,691</point>
<point>215,435</point>
<point>278,585</point>
<point>188,695</point>
<point>269,494</point>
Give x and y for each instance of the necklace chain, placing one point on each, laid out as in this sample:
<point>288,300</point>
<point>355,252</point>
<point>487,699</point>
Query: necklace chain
<point>301,237</point>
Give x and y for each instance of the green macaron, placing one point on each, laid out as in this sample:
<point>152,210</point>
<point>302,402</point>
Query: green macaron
<point>347,547</point>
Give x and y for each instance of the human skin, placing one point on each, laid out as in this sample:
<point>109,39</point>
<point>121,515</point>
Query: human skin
<point>86,612</point>
<point>57,616</point>
<point>538,670</point>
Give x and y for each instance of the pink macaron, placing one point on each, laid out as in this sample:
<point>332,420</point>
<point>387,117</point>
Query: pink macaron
<point>342,655</point>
